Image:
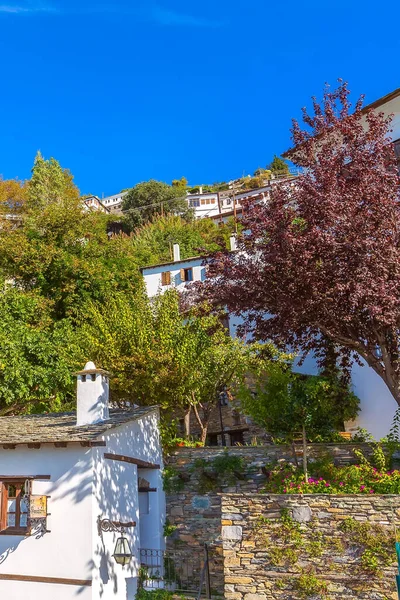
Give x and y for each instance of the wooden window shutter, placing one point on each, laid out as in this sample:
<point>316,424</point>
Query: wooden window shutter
<point>182,274</point>
<point>166,278</point>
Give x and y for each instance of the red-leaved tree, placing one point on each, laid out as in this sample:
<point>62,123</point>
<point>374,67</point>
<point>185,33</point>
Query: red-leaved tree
<point>321,259</point>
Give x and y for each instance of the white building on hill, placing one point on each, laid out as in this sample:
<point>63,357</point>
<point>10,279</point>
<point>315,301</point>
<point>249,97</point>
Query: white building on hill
<point>80,494</point>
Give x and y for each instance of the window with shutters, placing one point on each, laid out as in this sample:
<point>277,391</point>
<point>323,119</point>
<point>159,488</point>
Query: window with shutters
<point>166,278</point>
<point>13,508</point>
<point>186,274</point>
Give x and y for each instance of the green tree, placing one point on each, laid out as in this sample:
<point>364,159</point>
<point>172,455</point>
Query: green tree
<point>289,404</point>
<point>151,198</point>
<point>278,166</point>
<point>152,243</point>
<point>36,355</point>
<point>159,356</point>
<point>60,250</point>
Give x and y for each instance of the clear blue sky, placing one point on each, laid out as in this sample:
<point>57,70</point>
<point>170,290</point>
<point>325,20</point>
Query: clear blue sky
<point>122,91</point>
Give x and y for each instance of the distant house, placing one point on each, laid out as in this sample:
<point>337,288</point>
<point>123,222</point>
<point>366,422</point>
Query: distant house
<point>114,203</point>
<point>94,203</point>
<point>80,494</point>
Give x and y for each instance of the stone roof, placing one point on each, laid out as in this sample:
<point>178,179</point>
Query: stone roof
<point>61,427</point>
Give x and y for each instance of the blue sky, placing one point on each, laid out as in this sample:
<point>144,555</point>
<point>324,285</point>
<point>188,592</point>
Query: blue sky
<point>122,91</point>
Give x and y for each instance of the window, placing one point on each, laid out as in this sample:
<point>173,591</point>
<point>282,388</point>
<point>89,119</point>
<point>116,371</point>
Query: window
<point>208,201</point>
<point>236,438</point>
<point>203,201</point>
<point>212,200</point>
<point>166,278</point>
<point>186,274</point>
<point>212,439</point>
<point>13,508</point>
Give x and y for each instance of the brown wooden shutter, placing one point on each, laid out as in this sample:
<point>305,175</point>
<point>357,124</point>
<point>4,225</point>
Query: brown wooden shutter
<point>166,278</point>
<point>182,274</point>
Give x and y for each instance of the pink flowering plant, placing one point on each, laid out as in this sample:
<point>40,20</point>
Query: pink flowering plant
<point>367,477</point>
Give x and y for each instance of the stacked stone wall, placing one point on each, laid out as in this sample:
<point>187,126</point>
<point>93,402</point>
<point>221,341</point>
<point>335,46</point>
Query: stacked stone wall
<point>260,565</point>
<point>249,562</point>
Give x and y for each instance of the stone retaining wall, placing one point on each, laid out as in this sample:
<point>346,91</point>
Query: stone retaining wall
<point>259,564</point>
<point>248,560</point>
<point>255,458</point>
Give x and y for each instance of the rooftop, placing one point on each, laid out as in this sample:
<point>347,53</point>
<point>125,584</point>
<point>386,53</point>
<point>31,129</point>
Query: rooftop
<point>61,428</point>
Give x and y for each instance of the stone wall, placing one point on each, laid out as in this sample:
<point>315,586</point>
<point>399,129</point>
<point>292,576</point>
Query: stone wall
<point>263,562</point>
<point>183,461</point>
<point>228,519</point>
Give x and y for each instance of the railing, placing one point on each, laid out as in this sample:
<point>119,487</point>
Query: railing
<point>181,571</point>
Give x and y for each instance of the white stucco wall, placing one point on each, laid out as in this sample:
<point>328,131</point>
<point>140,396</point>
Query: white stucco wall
<point>65,552</point>
<point>152,275</point>
<point>115,497</point>
<point>83,486</point>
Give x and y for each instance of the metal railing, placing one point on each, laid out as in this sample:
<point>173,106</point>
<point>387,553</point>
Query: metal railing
<point>183,571</point>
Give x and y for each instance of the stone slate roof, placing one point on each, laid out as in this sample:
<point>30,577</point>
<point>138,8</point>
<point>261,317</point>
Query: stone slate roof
<point>61,427</point>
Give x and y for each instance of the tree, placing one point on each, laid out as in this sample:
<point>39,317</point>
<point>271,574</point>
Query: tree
<point>36,355</point>
<point>13,194</point>
<point>278,166</point>
<point>159,356</point>
<point>152,243</point>
<point>288,404</point>
<point>59,250</point>
<point>151,198</point>
<point>326,253</point>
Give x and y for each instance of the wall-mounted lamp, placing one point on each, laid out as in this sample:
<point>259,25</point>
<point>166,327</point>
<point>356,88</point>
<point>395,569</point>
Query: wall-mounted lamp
<point>122,551</point>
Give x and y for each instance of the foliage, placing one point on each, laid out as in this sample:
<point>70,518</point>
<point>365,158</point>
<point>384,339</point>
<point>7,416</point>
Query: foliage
<point>308,584</point>
<point>61,251</point>
<point>168,528</point>
<point>338,274</point>
<point>152,243</point>
<point>377,544</point>
<point>222,470</point>
<point>36,360</point>
<point>278,166</point>
<point>159,594</point>
<point>13,195</point>
<point>151,198</point>
<point>284,402</point>
<point>172,483</point>
<point>368,477</point>
<point>151,348</point>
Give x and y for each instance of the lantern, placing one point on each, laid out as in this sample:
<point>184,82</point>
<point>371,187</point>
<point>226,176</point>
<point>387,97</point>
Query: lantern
<point>122,551</point>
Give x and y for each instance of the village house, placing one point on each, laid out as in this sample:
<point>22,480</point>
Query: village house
<point>80,495</point>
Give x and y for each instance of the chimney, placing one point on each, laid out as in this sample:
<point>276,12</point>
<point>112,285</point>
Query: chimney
<point>232,242</point>
<point>92,395</point>
<point>200,189</point>
<point>177,253</point>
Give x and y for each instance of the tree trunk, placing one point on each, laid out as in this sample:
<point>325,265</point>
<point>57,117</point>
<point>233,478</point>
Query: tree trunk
<point>293,446</point>
<point>187,421</point>
<point>305,453</point>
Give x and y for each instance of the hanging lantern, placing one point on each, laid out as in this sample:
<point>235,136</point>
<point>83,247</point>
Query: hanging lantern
<point>122,552</point>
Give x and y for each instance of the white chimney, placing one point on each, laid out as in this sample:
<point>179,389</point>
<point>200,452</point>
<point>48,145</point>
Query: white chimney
<point>200,189</point>
<point>232,242</point>
<point>177,253</point>
<point>92,395</point>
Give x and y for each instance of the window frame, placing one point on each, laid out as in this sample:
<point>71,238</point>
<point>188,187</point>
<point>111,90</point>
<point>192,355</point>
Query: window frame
<point>165,278</point>
<point>19,483</point>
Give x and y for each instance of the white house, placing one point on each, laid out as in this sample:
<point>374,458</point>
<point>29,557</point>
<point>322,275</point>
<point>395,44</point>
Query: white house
<point>80,493</point>
<point>95,204</point>
<point>175,274</point>
<point>114,203</point>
